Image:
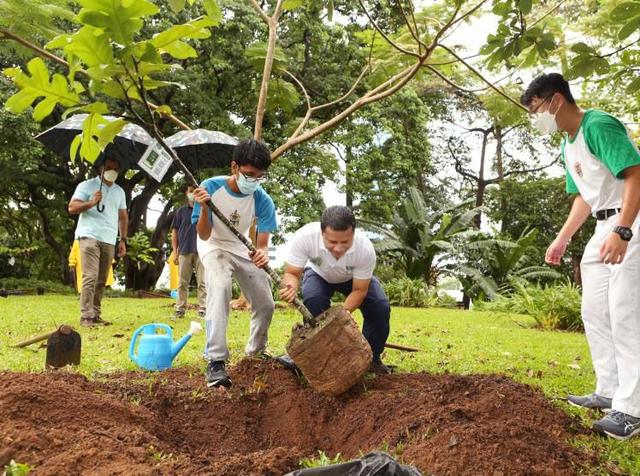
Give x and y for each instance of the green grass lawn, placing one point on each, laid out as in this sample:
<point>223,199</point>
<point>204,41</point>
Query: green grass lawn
<point>463,342</point>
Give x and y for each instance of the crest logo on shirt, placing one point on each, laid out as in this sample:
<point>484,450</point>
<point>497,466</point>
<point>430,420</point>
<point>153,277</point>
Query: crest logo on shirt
<point>578,168</point>
<point>235,218</point>
<point>316,260</point>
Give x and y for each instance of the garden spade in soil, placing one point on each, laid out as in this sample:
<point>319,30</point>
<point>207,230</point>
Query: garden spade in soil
<point>329,349</point>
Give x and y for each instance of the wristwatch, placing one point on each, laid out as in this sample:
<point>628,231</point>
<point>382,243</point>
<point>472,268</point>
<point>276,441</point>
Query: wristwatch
<point>625,233</point>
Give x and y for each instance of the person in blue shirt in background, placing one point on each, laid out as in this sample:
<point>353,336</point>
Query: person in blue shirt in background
<point>102,209</point>
<point>185,255</point>
<point>241,199</point>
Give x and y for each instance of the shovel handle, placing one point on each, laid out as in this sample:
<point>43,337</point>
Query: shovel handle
<point>297,302</point>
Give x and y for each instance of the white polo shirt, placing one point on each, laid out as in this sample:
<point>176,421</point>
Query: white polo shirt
<point>307,249</point>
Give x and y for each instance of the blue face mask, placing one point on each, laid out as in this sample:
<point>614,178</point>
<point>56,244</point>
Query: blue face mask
<point>245,185</point>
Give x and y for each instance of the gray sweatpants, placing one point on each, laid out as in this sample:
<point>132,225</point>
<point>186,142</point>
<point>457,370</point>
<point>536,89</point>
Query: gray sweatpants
<point>219,268</point>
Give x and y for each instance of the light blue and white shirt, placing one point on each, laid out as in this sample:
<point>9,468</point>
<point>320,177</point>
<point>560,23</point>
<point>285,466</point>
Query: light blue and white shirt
<point>102,226</point>
<point>240,210</point>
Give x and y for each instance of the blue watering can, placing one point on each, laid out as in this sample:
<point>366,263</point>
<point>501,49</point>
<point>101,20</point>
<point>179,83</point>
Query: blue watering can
<point>157,351</point>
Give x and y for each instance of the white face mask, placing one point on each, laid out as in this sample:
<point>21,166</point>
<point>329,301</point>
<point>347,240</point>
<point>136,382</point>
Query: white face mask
<point>190,197</point>
<point>110,175</point>
<point>545,123</point>
<point>245,186</point>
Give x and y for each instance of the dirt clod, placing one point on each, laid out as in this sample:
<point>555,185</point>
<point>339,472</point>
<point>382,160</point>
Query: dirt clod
<point>170,423</point>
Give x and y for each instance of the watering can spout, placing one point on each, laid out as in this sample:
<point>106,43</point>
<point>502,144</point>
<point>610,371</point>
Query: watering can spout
<point>177,347</point>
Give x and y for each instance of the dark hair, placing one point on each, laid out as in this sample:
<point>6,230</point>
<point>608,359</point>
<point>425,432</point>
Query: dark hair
<point>101,162</point>
<point>338,218</point>
<point>545,86</point>
<point>187,186</point>
<point>252,152</point>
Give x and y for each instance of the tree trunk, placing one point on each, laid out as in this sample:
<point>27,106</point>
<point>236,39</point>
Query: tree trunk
<point>575,264</point>
<point>348,178</point>
<point>482,183</point>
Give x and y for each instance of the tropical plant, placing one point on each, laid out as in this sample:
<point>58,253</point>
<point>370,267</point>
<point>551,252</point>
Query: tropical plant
<point>555,306</point>
<point>493,265</point>
<point>421,240</point>
<point>139,249</point>
<point>406,292</point>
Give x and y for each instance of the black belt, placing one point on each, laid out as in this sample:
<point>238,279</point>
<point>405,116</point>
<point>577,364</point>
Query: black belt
<point>604,214</point>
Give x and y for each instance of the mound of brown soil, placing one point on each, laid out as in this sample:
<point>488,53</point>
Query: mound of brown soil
<point>170,423</point>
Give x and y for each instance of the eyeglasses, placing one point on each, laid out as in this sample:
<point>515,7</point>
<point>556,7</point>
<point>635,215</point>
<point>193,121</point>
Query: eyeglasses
<point>251,179</point>
<point>534,113</point>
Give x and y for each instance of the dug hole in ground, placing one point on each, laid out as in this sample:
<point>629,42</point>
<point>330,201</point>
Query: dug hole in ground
<point>169,423</point>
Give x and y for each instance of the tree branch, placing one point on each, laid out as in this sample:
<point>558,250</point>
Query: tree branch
<point>486,81</point>
<point>272,23</point>
<point>384,35</point>
<point>307,115</point>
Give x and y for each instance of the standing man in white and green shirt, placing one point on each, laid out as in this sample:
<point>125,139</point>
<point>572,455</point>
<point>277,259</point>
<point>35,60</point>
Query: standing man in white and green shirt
<point>603,170</point>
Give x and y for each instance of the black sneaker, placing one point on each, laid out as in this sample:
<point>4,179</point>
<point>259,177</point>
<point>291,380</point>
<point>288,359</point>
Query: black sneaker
<point>378,368</point>
<point>217,375</point>
<point>87,322</point>
<point>592,400</point>
<point>287,362</point>
<point>98,321</point>
<point>265,356</point>
<point>617,425</point>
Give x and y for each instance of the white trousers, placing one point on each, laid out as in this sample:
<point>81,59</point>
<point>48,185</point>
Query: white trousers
<point>611,316</point>
<point>219,268</point>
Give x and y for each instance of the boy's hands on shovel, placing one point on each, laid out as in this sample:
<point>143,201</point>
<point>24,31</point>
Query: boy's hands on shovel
<point>259,257</point>
<point>288,292</point>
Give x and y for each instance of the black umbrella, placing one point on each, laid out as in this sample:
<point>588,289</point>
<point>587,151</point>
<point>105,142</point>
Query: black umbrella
<point>203,149</point>
<point>127,147</point>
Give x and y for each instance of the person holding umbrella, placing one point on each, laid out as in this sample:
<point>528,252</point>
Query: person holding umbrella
<point>102,209</point>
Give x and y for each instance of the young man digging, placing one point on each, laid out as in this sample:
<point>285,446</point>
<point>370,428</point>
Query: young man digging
<point>240,198</point>
<point>603,170</point>
<point>332,256</point>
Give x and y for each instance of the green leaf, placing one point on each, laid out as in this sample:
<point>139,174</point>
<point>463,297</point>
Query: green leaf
<point>629,28</point>
<point>163,110</point>
<point>625,11</point>
<point>213,11</point>
<point>283,95</point>
<point>257,53</point>
<point>176,5</point>
<point>91,128</point>
<point>120,19</point>
<point>330,10</point>
<point>54,91</point>
<point>634,86</point>
<point>525,6</point>
<point>582,48</point>
<point>91,47</point>
<point>109,132</point>
<point>292,4</point>
<point>170,40</point>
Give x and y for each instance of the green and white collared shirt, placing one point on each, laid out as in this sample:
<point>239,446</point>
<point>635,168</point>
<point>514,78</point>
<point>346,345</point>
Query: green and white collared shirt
<point>596,157</point>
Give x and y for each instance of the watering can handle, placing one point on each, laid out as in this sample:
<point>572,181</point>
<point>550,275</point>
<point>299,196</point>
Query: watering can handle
<point>151,328</point>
